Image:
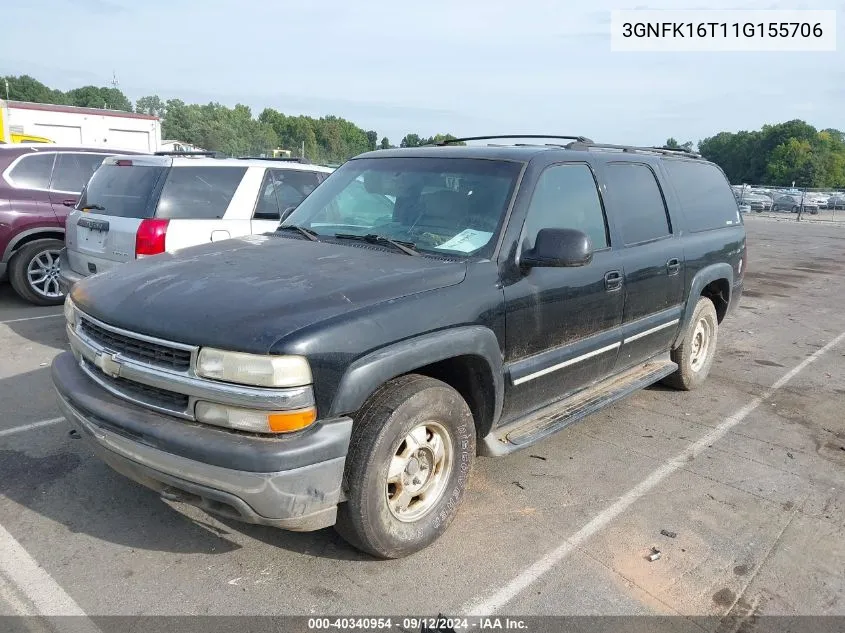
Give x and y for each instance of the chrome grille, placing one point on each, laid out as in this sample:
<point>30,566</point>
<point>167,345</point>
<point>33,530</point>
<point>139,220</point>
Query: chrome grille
<point>153,397</point>
<point>142,351</point>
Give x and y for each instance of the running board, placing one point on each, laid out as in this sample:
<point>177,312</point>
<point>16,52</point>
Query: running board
<point>551,419</point>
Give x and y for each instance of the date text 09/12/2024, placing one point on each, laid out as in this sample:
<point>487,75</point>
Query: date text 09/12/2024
<point>422,624</point>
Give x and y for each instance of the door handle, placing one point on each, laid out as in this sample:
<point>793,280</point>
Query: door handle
<point>70,202</point>
<point>613,280</point>
<point>673,266</point>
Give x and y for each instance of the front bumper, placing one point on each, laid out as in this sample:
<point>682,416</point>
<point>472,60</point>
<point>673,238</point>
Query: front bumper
<point>129,438</point>
<point>67,276</point>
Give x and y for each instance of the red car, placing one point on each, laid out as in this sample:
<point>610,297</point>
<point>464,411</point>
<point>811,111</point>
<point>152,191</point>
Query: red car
<point>39,184</point>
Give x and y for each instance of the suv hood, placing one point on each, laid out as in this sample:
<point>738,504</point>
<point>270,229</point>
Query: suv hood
<point>247,293</point>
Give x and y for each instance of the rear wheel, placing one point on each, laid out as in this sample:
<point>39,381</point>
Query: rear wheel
<point>695,355</point>
<point>34,272</point>
<point>406,472</point>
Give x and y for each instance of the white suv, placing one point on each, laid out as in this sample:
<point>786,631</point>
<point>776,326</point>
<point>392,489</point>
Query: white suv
<point>141,205</point>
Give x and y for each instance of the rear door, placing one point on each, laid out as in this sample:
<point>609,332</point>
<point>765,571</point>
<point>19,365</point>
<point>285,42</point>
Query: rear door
<point>281,189</point>
<point>101,230</point>
<point>652,257</point>
<point>71,173</point>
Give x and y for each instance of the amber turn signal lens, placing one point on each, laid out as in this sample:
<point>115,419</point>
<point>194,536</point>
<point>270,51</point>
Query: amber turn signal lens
<point>285,422</point>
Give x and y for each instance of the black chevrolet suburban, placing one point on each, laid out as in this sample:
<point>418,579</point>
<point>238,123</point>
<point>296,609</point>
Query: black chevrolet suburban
<point>421,307</point>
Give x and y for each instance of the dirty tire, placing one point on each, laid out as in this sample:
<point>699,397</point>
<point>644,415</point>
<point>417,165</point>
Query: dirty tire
<point>385,433</point>
<point>20,264</point>
<point>694,362</point>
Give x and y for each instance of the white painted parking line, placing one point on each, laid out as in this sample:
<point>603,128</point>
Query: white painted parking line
<point>32,582</point>
<point>530,575</point>
<point>29,427</point>
<point>46,316</point>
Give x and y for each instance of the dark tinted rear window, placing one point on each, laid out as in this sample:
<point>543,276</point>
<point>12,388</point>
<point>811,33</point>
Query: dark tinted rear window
<point>704,194</point>
<point>637,202</point>
<point>198,192</point>
<point>124,191</point>
<point>33,171</point>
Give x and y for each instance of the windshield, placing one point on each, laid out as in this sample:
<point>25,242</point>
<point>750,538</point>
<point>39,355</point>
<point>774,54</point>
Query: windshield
<point>449,206</point>
<point>122,191</point>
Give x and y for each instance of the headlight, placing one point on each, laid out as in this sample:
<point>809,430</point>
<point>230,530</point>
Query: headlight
<point>253,420</point>
<point>70,311</point>
<point>253,369</point>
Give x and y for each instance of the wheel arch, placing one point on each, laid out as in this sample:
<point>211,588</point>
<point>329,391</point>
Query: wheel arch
<point>467,358</point>
<point>31,235</point>
<point>715,283</point>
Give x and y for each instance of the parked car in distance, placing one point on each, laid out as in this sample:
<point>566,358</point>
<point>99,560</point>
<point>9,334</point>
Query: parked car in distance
<point>39,183</point>
<point>793,203</point>
<point>452,301</point>
<point>135,207</point>
<point>757,202</point>
<point>836,201</point>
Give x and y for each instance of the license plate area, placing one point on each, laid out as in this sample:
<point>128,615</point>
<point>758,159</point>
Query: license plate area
<point>91,234</point>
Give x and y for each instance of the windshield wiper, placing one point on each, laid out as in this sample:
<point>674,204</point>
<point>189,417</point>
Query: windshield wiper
<point>406,247</point>
<point>311,235</point>
<point>95,207</point>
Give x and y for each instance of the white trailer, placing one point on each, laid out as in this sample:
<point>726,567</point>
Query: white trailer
<point>69,125</point>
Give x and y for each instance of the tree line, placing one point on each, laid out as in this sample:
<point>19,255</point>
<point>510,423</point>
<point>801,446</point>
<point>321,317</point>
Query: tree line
<point>781,154</point>
<point>216,127</point>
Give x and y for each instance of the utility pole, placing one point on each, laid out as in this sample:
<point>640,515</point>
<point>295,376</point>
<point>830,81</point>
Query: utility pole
<point>7,88</point>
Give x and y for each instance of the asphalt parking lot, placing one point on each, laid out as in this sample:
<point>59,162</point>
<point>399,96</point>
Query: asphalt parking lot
<point>749,472</point>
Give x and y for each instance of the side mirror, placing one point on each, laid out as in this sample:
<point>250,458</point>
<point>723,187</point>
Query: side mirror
<point>559,248</point>
<point>286,213</point>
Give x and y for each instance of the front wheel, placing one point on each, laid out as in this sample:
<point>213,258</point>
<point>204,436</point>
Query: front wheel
<point>34,272</point>
<point>409,459</point>
<point>695,355</point>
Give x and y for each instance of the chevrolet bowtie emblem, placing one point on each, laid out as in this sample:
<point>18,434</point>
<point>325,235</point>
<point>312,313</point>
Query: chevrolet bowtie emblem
<point>109,364</point>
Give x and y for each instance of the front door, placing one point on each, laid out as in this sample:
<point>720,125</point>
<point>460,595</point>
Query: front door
<point>653,259</point>
<point>562,324</point>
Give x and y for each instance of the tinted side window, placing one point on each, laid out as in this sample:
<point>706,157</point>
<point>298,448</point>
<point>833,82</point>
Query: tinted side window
<point>704,194</point>
<point>566,197</point>
<point>267,206</point>
<point>293,185</point>
<point>33,171</point>
<point>636,202</point>
<point>73,171</point>
<point>200,193</point>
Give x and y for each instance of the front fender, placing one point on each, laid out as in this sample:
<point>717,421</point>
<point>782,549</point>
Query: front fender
<point>702,278</point>
<point>369,372</point>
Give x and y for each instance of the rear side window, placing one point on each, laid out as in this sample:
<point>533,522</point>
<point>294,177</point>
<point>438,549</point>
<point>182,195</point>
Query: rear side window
<point>123,191</point>
<point>636,202</point>
<point>72,171</point>
<point>704,194</point>
<point>293,185</point>
<point>201,193</point>
<point>33,171</point>
<point>267,206</point>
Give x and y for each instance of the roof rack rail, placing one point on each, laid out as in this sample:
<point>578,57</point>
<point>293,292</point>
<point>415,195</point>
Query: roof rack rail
<point>283,159</point>
<point>634,149</point>
<point>581,139</point>
<point>211,154</point>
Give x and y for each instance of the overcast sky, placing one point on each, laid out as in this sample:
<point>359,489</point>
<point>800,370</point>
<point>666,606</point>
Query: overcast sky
<point>460,66</point>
